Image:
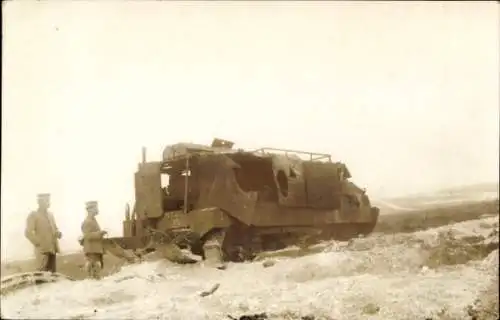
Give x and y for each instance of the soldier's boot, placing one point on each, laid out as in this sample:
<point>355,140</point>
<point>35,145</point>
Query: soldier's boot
<point>88,268</point>
<point>93,269</point>
<point>96,270</point>
<point>42,261</point>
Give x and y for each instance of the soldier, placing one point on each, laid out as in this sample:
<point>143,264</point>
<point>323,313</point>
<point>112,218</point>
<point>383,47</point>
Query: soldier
<point>41,230</point>
<point>92,241</point>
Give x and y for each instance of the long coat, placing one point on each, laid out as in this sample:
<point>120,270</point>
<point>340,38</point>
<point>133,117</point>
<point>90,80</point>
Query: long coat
<point>42,231</point>
<point>92,236</point>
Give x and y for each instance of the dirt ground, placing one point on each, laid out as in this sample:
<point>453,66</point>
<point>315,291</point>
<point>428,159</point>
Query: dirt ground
<point>68,264</point>
<point>72,264</point>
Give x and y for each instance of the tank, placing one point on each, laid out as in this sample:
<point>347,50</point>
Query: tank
<point>227,204</point>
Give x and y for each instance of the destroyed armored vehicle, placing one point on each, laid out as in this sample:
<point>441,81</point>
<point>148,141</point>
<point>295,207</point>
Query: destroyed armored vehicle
<point>227,204</point>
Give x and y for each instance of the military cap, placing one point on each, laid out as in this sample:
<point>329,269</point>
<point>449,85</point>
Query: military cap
<point>43,195</point>
<point>91,204</point>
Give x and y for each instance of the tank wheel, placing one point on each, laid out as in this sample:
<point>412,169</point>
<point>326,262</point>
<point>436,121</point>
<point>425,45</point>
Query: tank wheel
<point>197,249</point>
<point>212,248</point>
<point>237,245</point>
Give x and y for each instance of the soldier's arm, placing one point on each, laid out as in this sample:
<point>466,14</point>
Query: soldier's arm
<point>58,232</point>
<point>55,224</point>
<point>89,232</point>
<point>30,231</point>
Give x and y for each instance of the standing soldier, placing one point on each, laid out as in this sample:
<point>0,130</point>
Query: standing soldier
<point>92,241</point>
<point>41,230</point>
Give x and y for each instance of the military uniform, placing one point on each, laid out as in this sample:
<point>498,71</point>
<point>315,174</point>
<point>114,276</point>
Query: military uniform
<point>42,231</point>
<point>92,241</point>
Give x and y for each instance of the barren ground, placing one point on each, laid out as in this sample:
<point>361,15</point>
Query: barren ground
<point>428,263</point>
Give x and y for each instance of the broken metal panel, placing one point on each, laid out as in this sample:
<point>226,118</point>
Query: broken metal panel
<point>255,174</point>
<point>342,170</point>
<point>323,187</point>
<point>178,188</point>
<point>148,191</point>
<point>118,250</point>
<point>129,243</point>
<point>221,143</point>
<point>354,201</point>
<point>182,185</point>
<point>184,149</point>
<point>203,220</point>
<point>218,188</point>
<point>289,178</point>
<point>353,209</point>
<point>179,150</point>
<point>173,220</point>
<point>296,195</point>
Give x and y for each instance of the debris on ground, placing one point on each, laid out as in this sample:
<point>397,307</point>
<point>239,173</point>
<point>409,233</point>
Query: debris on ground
<point>268,263</point>
<point>116,250</point>
<point>259,316</point>
<point>264,316</point>
<point>19,281</point>
<point>210,291</point>
<point>128,277</point>
<point>485,307</point>
<point>221,266</point>
<point>453,250</point>
<point>371,309</point>
<point>149,278</point>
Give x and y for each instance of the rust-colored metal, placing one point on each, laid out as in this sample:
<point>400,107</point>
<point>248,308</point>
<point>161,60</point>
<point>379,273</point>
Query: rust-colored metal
<point>246,201</point>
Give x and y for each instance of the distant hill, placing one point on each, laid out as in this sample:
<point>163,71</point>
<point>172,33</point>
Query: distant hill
<point>441,197</point>
<point>480,187</point>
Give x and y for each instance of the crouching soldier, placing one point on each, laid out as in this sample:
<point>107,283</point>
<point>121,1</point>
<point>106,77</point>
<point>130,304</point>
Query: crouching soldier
<point>42,231</point>
<point>92,241</point>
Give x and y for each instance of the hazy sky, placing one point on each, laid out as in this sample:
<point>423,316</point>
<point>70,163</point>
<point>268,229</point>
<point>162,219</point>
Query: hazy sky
<point>405,93</point>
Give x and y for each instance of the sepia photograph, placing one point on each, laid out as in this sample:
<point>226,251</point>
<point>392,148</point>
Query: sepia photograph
<point>250,160</point>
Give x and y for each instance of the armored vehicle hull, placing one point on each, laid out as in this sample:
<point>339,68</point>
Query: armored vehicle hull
<point>227,204</point>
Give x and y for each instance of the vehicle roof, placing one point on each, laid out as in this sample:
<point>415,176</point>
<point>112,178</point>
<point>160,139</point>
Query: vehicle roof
<point>179,151</point>
<point>174,156</point>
